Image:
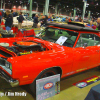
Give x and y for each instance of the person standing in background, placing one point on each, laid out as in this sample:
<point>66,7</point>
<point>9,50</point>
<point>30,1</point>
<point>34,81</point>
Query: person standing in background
<point>43,20</point>
<point>69,19</point>
<point>79,19</point>
<point>20,20</point>
<point>35,20</point>
<point>8,20</point>
<point>0,17</point>
<point>94,25</point>
<point>12,12</point>
<point>66,20</point>
<point>98,21</point>
<point>12,15</point>
<point>50,18</point>
<point>2,13</point>
<point>90,24</point>
<point>15,14</point>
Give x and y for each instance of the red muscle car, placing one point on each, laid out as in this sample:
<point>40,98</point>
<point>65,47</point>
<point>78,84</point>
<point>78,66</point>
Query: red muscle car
<point>58,49</point>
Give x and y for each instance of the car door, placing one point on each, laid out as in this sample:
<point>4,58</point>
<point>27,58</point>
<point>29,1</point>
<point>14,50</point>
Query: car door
<point>85,57</point>
<point>94,48</point>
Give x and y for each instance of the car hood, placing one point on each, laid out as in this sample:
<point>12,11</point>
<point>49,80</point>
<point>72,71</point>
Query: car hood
<point>50,48</point>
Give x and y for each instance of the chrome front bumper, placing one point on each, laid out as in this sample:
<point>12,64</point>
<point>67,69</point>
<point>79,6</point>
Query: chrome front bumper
<point>6,77</point>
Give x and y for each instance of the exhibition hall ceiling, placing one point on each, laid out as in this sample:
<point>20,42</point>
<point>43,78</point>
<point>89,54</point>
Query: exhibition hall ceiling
<point>92,5</point>
<point>71,3</point>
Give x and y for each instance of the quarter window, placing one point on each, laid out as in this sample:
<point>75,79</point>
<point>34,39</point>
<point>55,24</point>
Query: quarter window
<point>90,39</point>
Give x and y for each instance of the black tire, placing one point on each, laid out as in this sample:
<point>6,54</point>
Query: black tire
<point>45,73</point>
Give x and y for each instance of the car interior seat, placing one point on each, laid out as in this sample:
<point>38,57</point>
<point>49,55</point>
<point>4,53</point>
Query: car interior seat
<point>50,33</point>
<point>89,41</point>
<point>73,38</point>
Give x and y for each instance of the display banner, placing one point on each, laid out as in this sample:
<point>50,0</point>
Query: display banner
<point>47,87</point>
<point>86,82</point>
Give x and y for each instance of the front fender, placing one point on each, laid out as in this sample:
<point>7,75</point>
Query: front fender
<point>27,70</point>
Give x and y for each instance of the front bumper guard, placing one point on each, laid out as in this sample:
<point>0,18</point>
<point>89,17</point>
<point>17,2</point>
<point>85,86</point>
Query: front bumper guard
<point>6,77</point>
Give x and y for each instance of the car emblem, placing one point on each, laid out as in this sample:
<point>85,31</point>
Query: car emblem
<point>48,86</point>
<point>82,84</point>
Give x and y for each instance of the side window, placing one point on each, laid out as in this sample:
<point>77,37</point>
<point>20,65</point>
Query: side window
<point>90,39</point>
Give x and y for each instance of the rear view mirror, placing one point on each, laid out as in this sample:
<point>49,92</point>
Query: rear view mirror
<point>85,45</point>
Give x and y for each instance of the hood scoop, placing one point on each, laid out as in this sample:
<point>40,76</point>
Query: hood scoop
<point>27,47</point>
<point>27,44</point>
<point>21,48</point>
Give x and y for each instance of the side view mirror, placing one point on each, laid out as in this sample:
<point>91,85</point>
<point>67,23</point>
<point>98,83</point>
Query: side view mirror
<point>85,45</point>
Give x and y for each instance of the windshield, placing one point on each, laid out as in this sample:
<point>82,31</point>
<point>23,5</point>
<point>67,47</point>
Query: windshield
<point>59,36</point>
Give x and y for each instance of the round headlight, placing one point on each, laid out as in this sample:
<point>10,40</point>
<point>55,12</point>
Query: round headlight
<point>7,64</point>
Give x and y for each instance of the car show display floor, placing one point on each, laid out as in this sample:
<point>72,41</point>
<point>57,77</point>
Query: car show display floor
<point>68,90</point>
<point>37,30</point>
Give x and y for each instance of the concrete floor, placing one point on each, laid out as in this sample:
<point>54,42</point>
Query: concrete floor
<point>68,91</point>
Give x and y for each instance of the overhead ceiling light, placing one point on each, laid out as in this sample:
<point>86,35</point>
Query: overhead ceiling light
<point>97,4</point>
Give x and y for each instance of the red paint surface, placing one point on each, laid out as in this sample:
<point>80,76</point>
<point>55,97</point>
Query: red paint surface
<point>70,60</point>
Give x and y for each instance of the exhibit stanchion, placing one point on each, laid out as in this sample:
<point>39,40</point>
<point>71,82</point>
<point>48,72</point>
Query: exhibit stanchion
<point>89,15</point>
<point>46,7</point>
<point>84,8</point>
<point>74,14</point>
<point>1,3</point>
<point>30,13</point>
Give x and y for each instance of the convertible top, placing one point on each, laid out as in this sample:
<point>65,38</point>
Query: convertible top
<point>73,26</point>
